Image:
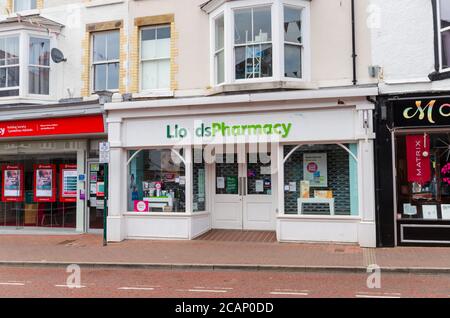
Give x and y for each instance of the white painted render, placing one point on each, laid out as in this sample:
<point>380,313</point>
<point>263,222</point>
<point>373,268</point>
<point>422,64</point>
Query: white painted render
<point>402,44</point>
<point>330,34</point>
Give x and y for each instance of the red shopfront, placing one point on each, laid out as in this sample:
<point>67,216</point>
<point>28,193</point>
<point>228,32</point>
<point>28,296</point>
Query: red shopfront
<point>45,171</point>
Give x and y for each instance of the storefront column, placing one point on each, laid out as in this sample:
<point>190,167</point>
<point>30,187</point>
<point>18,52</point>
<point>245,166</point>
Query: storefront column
<point>189,179</point>
<point>117,183</point>
<point>280,186</point>
<point>81,205</point>
<point>367,230</point>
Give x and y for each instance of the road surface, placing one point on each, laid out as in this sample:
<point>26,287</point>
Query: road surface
<point>123,283</point>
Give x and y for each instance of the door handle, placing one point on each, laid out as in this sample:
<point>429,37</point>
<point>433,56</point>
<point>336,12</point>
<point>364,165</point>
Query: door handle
<point>244,182</point>
<point>240,187</point>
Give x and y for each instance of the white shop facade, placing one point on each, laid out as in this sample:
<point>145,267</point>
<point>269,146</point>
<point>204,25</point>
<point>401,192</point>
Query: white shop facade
<point>296,163</point>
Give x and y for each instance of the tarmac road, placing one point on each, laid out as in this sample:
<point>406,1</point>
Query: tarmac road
<point>19,282</point>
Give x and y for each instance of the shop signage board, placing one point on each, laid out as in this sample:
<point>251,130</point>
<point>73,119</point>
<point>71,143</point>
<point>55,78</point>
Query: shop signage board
<point>292,126</point>
<point>421,112</point>
<point>13,183</point>
<point>315,169</point>
<point>52,126</point>
<point>44,183</point>
<point>418,158</point>
<point>68,183</point>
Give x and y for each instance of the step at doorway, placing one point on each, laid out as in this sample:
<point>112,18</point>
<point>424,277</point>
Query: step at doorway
<point>239,236</point>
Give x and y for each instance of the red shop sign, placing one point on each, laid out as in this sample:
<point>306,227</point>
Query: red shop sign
<point>52,126</point>
<point>44,183</point>
<point>418,158</point>
<point>12,183</point>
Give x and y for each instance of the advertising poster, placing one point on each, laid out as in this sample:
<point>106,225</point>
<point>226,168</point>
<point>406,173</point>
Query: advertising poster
<point>68,184</point>
<point>418,158</point>
<point>13,186</point>
<point>44,183</point>
<point>315,169</point>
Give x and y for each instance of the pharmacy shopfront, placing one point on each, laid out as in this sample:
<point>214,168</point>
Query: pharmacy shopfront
<point>182,167</point>
<point>47,166</point>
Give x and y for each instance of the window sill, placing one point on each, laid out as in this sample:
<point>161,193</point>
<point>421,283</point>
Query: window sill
<point>439,76</point>
<point>337,218</point>
<point>99,3</point>
<point>154,94</point>
<point>27,100</point>
<point>258,86</point>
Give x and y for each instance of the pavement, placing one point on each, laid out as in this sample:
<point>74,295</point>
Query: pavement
<point>88,250</point>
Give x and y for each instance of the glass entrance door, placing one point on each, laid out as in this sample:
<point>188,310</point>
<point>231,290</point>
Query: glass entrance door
<point>243,191</point>
<point>96,201</point>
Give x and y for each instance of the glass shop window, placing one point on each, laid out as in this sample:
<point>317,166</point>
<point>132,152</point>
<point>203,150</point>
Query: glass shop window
<point>423,176</point>
<point>156,181</point>
<point>321,180</point>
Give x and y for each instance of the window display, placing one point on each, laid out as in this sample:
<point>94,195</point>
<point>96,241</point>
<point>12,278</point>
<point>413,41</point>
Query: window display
<point>321,180</point>
<point>45,183</point>
<point>37,191</point>
<point>68,184</point>
<point>423,166</point>
<point>158,178</point>
<point>12,183</point>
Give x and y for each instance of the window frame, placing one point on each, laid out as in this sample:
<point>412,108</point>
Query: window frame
<point>277,14</point>
<point>106,62</point>
<point>24,36</point>
<point>18,88</point>
<point>440,30</point>
<point>29,65</point>
<point>271,42</point>
<point>300,45</point>
<point>14,6</point>
<point>217,52</point>
<point>141,60</point>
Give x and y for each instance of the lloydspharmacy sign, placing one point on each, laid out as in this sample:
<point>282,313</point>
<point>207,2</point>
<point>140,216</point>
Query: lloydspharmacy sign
<point>222,129</point>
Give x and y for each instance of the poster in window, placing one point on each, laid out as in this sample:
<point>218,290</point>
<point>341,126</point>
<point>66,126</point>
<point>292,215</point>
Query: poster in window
<point>44,183</point>
<point>68,183</point>
<point>430,212</point>
<point>315,169</point>
<point>13,186</point>
<point>445,209</point>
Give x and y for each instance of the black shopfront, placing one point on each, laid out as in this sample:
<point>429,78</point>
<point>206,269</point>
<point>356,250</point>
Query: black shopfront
<point>412,168</point>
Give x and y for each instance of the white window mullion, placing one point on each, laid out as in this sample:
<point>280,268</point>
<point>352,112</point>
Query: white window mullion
<point>277,41</point>
<point>229,45</point>
<point>24,59</point>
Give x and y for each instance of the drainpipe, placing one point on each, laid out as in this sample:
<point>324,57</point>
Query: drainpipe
<point>354,55</point>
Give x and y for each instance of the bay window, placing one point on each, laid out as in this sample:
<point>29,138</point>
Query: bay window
<point>292,42</point>
<point>253,42</point>
<point>259,40</point>
<point>444,33</point>
<point>155,57</point>
<point>24,65</point>
<point>105,60</point>
<point>9,66</point>
<point>39,66</point>
<point>219,49</point>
